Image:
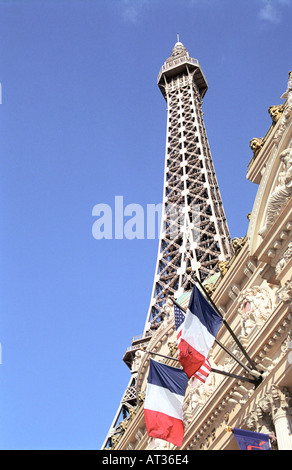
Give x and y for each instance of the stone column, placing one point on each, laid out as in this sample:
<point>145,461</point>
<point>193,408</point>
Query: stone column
<point>273,413</point>
<point>282,422</point>
<point>282,416</point>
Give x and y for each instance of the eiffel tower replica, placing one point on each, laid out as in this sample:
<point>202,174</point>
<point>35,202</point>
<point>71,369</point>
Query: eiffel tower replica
<point>194,234</point>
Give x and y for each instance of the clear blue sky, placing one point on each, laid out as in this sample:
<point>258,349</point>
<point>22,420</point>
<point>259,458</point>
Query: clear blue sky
<point>81,121</point>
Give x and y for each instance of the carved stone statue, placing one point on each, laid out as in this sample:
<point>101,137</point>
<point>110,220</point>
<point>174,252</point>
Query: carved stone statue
<point>263,411</point>
<point>282,192</point>
<point>251,421</point>
<point>287,255</point>
<point>137,360</point>
<point>209,288</point>
<point>141,397</point>
<point>276,112</point>
<point>256,145</point>
<point>289,86</point>
<point>285,292</point>
<point>172,348</point>
<point>223,267</point>
<point>247,324</point>
<point>238,243</point>
<point>158,444</point>
<point>255,308</point>
<point>287,111</point>
<point>168,308</point>
<point>200,394</point>
<point>281,396</point>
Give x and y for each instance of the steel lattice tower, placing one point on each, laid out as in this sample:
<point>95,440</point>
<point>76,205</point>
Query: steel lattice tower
<point>194,234</point>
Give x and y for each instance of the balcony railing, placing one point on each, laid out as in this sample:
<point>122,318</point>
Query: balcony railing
<point>138,339</point>
<point>176,62</point>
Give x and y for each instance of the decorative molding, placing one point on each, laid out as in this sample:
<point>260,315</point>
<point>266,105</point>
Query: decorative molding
<point>284,260</point>
<point>255,307</point>
<point>285,292</point>
<point>282,192</point>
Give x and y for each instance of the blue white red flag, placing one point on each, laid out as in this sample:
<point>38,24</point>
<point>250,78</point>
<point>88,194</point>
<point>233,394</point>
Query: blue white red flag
<point>249,440</point>
<point>163,406</point>
<point>179,317</point>
<point>199,331</point>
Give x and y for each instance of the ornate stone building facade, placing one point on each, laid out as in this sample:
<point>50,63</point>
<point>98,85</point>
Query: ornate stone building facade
<point>253,291</point>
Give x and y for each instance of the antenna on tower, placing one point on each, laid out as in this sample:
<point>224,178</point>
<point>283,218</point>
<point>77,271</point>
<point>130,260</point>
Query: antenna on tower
<point>177,37</point>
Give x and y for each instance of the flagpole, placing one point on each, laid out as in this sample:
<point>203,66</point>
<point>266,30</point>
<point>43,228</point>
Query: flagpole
<point>162,355</point>
<point>255,382</point>
<point>250,371</point>
<point>178,305</point>
<point>252,363</point>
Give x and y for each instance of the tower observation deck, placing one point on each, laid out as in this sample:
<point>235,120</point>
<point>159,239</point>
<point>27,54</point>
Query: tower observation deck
<point>194,235</point>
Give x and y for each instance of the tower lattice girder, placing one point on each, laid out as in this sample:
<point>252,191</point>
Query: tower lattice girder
<point>194,234</point>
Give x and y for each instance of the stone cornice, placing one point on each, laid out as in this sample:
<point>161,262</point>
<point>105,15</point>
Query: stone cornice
<point>272,138</point>
<point>270,247</point>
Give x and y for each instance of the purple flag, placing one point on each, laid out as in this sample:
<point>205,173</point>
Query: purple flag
<point>249,440</point>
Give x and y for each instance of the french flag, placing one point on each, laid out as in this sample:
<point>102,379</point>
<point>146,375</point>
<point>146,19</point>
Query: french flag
<point>163,406</point>
<point>199,331</point>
